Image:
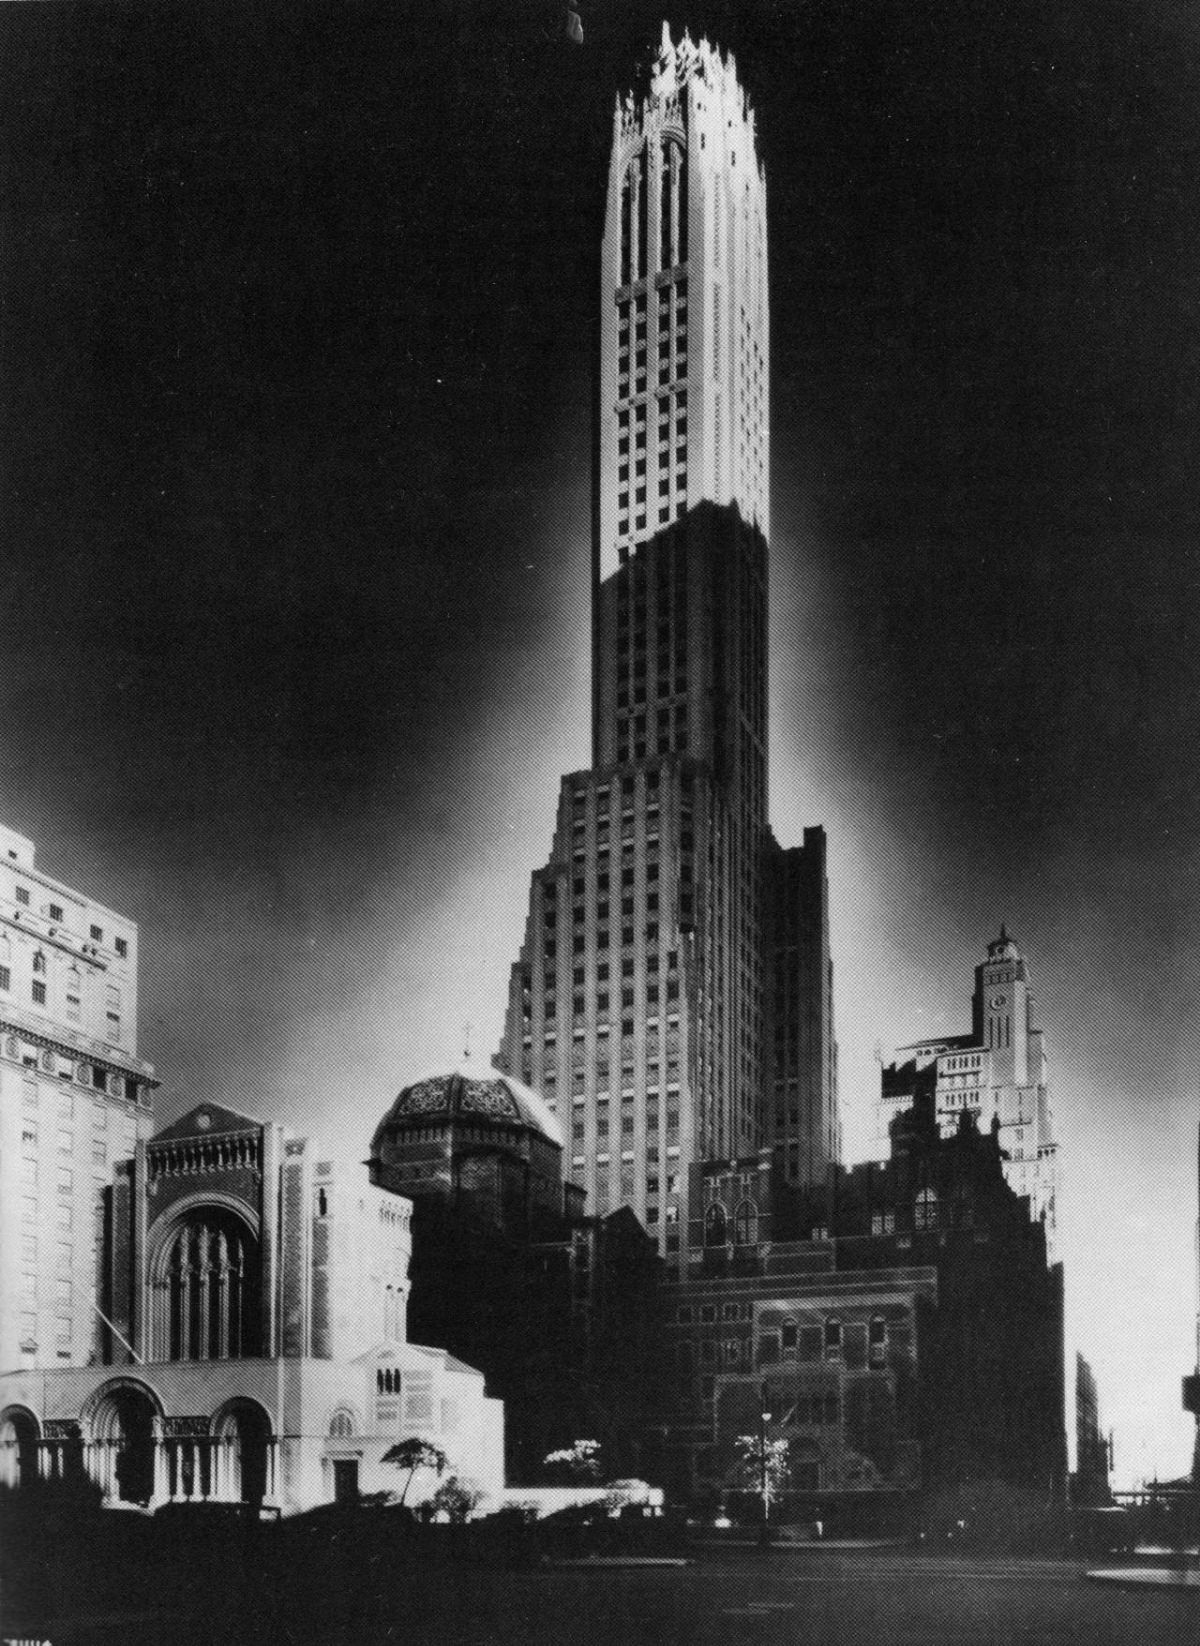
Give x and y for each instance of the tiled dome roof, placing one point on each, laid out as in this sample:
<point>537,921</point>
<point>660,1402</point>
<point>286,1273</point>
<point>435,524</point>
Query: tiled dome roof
<point>476,1094</point>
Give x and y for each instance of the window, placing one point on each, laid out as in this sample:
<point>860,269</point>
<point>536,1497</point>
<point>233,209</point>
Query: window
<point>23,895</point>
<point>746,1224</point>
<point>925,1213</point>
<point>55,911</point>
<point>833,1339</point>
<point>789,1335</point>
<point>341,1425</point>
<point>96,934</point>
<point>715,1226</point>
<point>877,1338</point>
<point>122,948</point>
<point>5,978</point>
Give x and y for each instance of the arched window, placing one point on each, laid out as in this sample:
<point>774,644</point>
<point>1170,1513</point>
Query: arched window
<point>627,193</point>
<point>745,1224</point>
<point>341,1424</point>
<point>673,204</point>
<point>211,1287</point>
<point>39,962</point>
<point>926,1215</point>
<point>714,1225</point>
<point>634,211</point>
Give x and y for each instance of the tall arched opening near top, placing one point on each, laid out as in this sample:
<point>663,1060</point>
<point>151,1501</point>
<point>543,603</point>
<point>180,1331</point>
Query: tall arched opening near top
<point>206,1286</point>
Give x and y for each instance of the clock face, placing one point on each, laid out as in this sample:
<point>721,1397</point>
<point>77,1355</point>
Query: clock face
<point>997,1001</point>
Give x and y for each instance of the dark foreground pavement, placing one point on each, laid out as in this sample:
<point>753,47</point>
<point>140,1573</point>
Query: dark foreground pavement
<point>884,1599</point>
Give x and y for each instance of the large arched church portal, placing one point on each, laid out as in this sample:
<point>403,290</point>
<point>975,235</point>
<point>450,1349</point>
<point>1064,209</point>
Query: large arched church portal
<point>242,1453</point>
<point>123,1443</point>
<point>18,1446</point>
<point>206,1295</point>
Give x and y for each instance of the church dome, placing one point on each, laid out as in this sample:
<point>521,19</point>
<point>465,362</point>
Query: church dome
<point>469,1094</point>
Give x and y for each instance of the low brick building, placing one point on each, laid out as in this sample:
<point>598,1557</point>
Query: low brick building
<point>899,1331</point>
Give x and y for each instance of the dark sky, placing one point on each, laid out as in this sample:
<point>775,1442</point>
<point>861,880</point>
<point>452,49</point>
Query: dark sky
<point>294,379</point>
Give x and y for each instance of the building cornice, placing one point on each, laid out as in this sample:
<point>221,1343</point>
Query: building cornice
<point>77,1048</point>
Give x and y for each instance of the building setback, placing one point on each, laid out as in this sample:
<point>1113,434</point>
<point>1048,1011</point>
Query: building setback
<point>673,995</point>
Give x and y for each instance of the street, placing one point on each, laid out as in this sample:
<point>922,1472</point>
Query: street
<point>887,1598</point>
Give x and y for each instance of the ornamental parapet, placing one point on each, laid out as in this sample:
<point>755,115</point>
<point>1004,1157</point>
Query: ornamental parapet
<point>220,1152</point>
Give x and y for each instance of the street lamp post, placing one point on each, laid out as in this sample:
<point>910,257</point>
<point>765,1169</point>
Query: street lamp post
<point>764,1417</point>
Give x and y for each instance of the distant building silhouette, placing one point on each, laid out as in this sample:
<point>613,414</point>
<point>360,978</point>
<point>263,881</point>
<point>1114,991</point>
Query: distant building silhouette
<point>1089,1484</point>
<point>998,1073</point>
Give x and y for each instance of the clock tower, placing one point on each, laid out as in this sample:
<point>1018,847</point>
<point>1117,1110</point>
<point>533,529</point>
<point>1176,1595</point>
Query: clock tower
<point>1001,1010</point>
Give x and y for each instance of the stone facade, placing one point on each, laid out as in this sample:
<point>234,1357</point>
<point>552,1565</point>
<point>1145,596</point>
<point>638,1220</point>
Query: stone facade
<point>74,1098</point>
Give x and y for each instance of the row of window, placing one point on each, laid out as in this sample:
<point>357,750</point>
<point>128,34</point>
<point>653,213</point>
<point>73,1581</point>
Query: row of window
<point>56,912</point>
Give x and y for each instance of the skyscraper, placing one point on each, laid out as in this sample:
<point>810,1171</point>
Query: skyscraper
<point>659,1009</point>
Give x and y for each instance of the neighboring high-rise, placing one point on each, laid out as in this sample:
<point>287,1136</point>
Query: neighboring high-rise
<point>673,998</point>
<point>998,1072</point>
<point>74,1098</point>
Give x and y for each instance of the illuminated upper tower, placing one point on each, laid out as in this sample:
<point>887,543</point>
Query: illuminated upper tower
<point>684,321</point>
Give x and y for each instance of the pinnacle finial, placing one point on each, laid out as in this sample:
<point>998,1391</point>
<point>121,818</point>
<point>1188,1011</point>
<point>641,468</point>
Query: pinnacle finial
<point>666,37</point>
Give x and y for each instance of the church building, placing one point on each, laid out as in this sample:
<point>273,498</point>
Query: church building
<point>254,1344</point>
<point>217,1312</point>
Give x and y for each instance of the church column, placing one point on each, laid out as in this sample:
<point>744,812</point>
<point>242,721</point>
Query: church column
<point>162,1470</point>
<point>221,1297</point>
<point>187,1349</point>
<point>204,1282</point>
